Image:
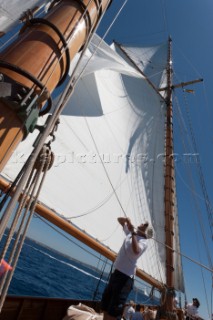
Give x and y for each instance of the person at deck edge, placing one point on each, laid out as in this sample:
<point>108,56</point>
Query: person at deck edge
<point>192,309</point>
<point>122,279</point>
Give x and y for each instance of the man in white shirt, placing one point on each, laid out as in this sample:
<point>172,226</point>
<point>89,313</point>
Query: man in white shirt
<point>129,310</point>
<point>122,279</point>
<point>192,309</point>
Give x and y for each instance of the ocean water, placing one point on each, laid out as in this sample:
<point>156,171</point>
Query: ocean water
<point>46,273</point>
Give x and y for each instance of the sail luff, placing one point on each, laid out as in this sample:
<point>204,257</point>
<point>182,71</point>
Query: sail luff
<point>71,229</point>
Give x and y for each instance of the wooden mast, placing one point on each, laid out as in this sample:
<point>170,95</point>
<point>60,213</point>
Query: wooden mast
<point>169,195</point>
<point>36,63</point>
<point>167,307</point>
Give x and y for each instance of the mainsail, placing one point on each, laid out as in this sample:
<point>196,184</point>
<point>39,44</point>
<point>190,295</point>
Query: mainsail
<point>109,151</point>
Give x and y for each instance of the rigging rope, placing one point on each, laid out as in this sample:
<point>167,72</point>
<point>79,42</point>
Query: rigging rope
<point>185,256</point>
<point>99,258</point>
<point>194,188</point>
<point>198,210</point>
<point>107,175</point>
<point>95,293</point>
<point>66,237</point>
<point>200,171</point>
<point>26,205</point>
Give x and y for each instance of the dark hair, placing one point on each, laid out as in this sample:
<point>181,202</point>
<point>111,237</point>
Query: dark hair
<point>197,302</point>
<point>138,307</point>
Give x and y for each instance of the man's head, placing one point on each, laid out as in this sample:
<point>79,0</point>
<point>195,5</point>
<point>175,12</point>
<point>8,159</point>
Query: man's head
<point>145,230</point>
<point>131,303</point>
<point>196,302</point>
<point>149,232</point>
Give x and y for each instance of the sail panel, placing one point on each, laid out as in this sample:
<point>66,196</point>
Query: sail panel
<point>11,11</point>
<point>109,159</point>
<point>178,280</point>
<point>151,60</point>
<point>100,55</point>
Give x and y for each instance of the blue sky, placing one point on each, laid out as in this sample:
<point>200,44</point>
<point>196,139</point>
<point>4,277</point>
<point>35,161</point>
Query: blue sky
<point>190,24</point>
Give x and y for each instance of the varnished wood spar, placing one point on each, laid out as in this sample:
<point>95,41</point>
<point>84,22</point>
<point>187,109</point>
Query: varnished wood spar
<point>169,192</point>
<point>37,51</point>
<point>68,227</point>
<point>10,133</point>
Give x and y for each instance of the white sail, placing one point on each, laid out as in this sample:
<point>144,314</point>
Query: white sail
<point>11,11</point>
<point>109,154</point>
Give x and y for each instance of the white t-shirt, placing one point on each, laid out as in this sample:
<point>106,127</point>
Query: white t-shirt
<point>128,312</point>
<point>126,259</point>
<point>191,310</point>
